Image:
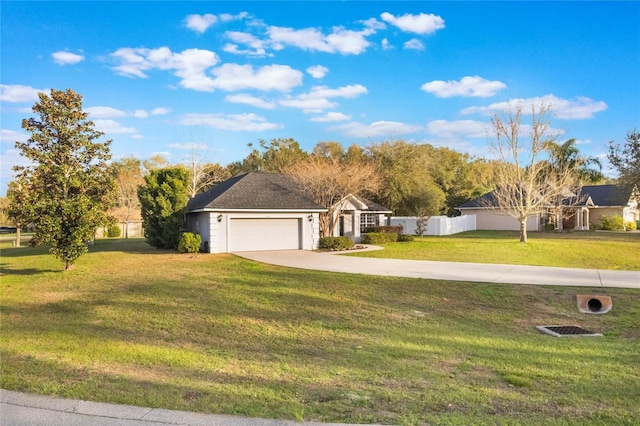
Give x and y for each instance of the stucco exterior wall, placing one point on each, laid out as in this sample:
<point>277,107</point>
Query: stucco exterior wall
<point>492,220</point>
<point>595,213</point>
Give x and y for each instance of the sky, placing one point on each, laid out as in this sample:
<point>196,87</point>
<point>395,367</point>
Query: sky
<point>165,78</point>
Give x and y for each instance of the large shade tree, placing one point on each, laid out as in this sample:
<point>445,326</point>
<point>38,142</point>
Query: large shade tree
<point>67,188</point>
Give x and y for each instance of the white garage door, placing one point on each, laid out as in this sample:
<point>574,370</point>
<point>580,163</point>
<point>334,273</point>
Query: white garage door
<point>264,234</point>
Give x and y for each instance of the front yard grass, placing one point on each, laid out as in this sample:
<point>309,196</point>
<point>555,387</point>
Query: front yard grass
<point>586,250</point>
<point>220,334</point>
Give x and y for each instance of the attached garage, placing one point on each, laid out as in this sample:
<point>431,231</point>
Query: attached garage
<point>264,234</point>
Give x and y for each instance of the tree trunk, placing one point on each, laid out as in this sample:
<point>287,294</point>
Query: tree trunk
<point>69,266</point>
<point>523,230</point>
<point>17,235</point>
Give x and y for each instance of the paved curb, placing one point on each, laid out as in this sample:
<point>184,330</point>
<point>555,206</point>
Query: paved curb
<point>34,410</point>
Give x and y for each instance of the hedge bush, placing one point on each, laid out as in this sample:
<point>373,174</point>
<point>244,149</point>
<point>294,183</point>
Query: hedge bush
<point>630,226</point>
<point>189,242</point>
<point>386,229</point>
<point>335,243</point>
<point>379,237</point>
<point>612,222</point>
<point>405,238</point>
<point>113,230</point>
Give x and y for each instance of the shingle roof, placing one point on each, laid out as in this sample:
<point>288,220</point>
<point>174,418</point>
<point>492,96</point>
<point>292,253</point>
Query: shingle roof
<point>601,195</point>
<point>606,195</point>
<point>254,191</point>
<point>486,200</point>
<point>372,206</point>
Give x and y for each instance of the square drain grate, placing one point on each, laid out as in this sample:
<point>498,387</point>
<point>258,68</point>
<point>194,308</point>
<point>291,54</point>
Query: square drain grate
<point>566,331</point>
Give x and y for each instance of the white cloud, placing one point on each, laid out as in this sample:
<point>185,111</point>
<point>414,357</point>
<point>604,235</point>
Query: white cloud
<point>256,45</point>
<point>66,58</point>
<point>469,87</point>
<point>108,112</point>
<point>141,113</point>
<point>233,122</point>
<point>231,77</point>
<point>419,24</point>
<point>243,98</point>
<point>331,117</point>
<point>11,136</point>
<point>386,45</point>
<point>104,112</point>
<point>317,71</point>
<point>459,128</point>
<point>160,111</point>
<point>317,100</point>
<point>200,23</point>
<point>373,24</point>
<point>18,93</point>
<point>308,105</point>
<point>378,129</point>
<point>414,44</point>
<point>112,126</point>
<point>346,42</point>
<point>190,64</point>
<point>579,108</point>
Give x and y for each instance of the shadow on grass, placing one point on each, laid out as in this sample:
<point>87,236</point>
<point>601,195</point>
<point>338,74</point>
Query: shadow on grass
<point>6,270</point>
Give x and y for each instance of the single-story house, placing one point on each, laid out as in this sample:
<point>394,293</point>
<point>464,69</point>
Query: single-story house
<point>254,211</point>
<point>583,209</point>
<point>267,211</point>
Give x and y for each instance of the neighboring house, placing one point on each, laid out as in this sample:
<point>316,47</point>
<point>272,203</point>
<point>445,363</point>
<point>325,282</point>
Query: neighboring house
<point>252,212</point>
<point>356,214</point>
<point>579,212</point>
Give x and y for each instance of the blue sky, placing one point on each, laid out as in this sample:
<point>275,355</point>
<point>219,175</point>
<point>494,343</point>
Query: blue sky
<point>161,77</point>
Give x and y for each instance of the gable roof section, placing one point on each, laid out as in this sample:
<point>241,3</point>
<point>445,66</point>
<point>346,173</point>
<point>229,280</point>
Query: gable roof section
<point>254,191</point>
<point>592,195</point>
<point>606,195</point>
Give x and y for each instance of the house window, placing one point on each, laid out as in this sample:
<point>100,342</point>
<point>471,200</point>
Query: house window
<point>367,220</point>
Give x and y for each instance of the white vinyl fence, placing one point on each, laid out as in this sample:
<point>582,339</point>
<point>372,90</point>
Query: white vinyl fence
<point>437,225</point>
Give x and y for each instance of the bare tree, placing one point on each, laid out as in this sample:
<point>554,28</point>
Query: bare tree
<point>523,184</point>
<point>127,174</point>
<point>202,174</point>
<point>328,181</point>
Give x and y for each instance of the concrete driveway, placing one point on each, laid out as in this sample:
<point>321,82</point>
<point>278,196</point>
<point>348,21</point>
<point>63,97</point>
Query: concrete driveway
<point>455,271</point>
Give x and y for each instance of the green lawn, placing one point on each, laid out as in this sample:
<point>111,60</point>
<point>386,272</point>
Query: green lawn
<point>219,334</point>
<point>589,250</point>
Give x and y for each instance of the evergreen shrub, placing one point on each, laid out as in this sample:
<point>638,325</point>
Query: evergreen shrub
<point>335,243</point>
<point>612,222</point>
<point>379,237</point>
<point>189,242</point>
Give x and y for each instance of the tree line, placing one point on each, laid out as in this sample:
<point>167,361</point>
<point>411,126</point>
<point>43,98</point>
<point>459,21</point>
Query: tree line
<point>71,186</point>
